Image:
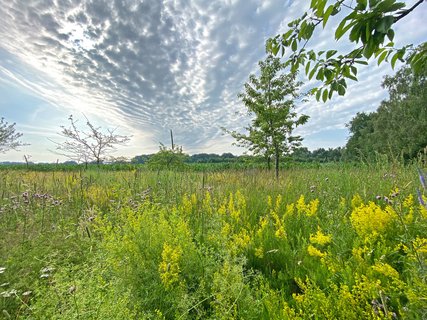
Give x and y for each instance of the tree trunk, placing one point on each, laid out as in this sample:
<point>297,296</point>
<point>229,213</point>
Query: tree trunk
<point>268,163</point>
<point>277,155</point>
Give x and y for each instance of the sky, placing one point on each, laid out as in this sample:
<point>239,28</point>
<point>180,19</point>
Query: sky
<point>144,67</point>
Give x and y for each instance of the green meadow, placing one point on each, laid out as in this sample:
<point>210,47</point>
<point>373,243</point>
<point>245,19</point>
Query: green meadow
<point>322,242</point>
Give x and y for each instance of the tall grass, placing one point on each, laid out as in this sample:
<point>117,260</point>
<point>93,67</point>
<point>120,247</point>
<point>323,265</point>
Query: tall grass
<point>322,242</point>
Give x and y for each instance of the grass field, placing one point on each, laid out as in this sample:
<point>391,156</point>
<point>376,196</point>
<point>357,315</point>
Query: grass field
<point>333,242</point>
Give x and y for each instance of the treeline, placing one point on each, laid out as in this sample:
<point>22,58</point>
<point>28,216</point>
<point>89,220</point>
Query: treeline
<point>398,128</point>
<point>299,155</point>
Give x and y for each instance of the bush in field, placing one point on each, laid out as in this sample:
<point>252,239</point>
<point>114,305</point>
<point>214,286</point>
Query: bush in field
<point>168,158</point>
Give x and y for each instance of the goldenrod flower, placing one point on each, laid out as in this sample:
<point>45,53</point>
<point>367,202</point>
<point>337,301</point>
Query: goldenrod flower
<point>169,268</point>
<point>320,238</point>
<point>370,220</point>
<point>386,269</point>
<point>314,252</point>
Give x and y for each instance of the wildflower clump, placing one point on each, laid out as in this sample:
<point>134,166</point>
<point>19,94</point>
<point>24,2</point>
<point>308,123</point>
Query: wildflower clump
<point>320,238</point>
<point>371,220</point>
<point>386,270</point>
<point>169,266</point>
<point>309,209</point>
<point>314,252</point>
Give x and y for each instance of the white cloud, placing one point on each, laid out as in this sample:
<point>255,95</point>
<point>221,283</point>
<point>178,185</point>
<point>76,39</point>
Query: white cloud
<point>148,66</point>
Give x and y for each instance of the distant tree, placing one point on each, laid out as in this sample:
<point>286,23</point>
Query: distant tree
<point>399,126</point>
<point>141,158</point>
<point>269,99</point>
<point>9,138</point>
<point>91,145</point>
<point>369,24</point>
<point>361,130</point>
<point>168,158</point>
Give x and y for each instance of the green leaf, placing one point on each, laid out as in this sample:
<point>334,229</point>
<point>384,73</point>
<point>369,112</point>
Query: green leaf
<point>352,77</point>
<point>369,49</point>
<point>309,30</point>
<point>320,7</point>
<point>355,32</point>
<point>341,90</point>
<point>330,53</point>
<point>384,24</point>
<point>361,4</point>
<point>286,35</point>
<point>368,31</point>
<point>275,49</point>
<point>342,28</point>
<point>327,14</point>
<point>313,71</point>
<point>329,75</point>
<point>354,70</point>
<point>394,59</point>
<point>373,3</point>
<point>390,34</point>
<point>318,93</point>
<point>307,68</point>
<point>385,6</point>
<point>325,95</point>
<point>361,62</point>
<point>320,75</point>
<point>382,57</point>
<point>294,45</point>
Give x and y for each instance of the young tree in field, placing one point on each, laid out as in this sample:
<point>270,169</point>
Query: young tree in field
<point>269,98</point>
<point>91,145</point>
<point>9,138</point>
<point>369,25</point>
<point>168,158</point>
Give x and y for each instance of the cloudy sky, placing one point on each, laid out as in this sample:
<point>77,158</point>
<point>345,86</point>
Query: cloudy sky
<point>147,66</point>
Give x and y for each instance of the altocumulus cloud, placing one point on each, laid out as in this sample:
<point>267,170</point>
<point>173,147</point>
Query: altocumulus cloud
<point>150,65</point>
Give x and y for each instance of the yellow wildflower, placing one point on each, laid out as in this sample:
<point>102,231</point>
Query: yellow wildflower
<point>386,269</point>
<point>259,252</point>
<point>263,222</point>
<point>226,230</point>
<point>314,252</point>
<point>309,209</point>
<point>312,207</point>
<point>242,239</point>
<point>370,220</point>
<point>409,201</point>
<point>320,238</point>
<point>169,268</point>
<point>301,204</point>
<point>420,245</point>
<point>290,209</point>
<point>280,233</point>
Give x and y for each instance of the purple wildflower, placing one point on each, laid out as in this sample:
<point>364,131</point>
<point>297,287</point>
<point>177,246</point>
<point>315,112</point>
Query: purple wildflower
<point>422,179</point>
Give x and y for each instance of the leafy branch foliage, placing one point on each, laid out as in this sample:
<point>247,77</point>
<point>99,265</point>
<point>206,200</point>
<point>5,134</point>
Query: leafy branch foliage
<point>369,25</point>
<point>9,138</point>
<point>87,146</point>
<point>269,98</point>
